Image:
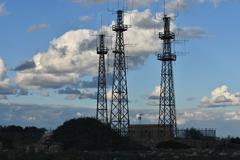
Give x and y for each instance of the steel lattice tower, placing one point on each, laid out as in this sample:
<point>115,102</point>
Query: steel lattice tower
<point>102,113</point>
<point>119,118</point>
<point>167,110</point>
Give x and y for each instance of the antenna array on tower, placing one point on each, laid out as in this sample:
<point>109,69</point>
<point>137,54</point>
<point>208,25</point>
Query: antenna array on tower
<point>119,118</point>
<point>167,110</point>
<point>102,113</point>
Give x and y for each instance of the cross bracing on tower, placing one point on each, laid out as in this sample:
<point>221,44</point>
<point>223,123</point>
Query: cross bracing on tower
<point>102,112</point>
<point>167,109</point>
<point>119,116</point>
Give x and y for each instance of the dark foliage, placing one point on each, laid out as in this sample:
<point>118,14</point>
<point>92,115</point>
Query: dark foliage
<point>89,134</point>
<point>172,145</point>
<point>229,142</point>
<point>17,137</point>
<point>193,134</point>
<point>235,140</point>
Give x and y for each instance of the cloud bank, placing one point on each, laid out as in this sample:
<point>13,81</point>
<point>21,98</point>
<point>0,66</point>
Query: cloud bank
<point>72,56</point>
<point>226,122</point>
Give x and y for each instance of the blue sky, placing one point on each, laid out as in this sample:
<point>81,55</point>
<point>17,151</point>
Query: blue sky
<point>206,78</point>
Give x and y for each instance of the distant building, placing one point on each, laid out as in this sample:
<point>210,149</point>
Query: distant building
<point>152,134</point>
<point>206,133</point>
<point>147,134</point>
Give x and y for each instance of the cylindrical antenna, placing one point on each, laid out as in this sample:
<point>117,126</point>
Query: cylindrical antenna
<point>132,4</point>
<point>164,7</point>
<point>101,24</point>
<point>177,9</point>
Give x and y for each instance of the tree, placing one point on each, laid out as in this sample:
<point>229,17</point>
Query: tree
<point>193,134</point>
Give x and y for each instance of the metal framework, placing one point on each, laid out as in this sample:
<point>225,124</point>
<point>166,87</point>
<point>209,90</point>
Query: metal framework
<point>102,113</point>
<point>119,117</point>
<point>167,109</point>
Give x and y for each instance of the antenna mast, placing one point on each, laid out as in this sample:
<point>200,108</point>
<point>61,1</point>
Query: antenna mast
<point>119,118</point>
<point>102,113</point>
<point>164,7</point>
<point>167,109</point>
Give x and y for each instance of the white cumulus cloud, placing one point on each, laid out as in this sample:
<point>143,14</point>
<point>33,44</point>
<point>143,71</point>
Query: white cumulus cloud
<point>68,58</point>
<point>2,69</point>
<point>155,93</point>
<point>221,97</point>
<point>6,87</point>
<point>72,56</point>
